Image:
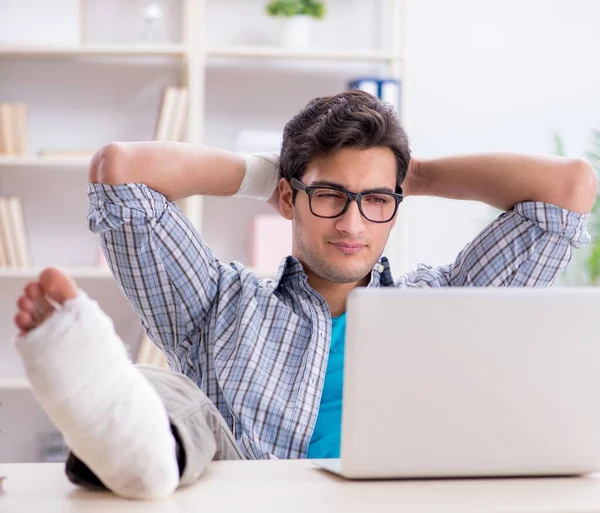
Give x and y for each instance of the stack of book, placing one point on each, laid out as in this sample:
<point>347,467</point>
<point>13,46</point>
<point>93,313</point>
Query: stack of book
<point>172,119</point>
<point>13,129</point>
<point>14,248</point>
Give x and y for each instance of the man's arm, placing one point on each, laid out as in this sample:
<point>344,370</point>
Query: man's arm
<point>163,265</point>
<point>503,180</point>
<point>176,170</point>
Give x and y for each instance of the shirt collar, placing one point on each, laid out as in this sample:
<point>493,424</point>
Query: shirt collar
<point>290,269</point>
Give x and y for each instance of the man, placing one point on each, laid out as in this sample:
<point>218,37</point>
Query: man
<point>267,356</point>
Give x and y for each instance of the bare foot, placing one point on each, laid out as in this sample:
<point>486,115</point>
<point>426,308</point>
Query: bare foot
<point>34,307</point>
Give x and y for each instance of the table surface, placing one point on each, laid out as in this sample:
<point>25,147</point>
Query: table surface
<point>277,486</point>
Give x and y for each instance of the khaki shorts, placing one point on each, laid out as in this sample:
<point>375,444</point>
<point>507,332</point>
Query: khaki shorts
<point>197,424</point>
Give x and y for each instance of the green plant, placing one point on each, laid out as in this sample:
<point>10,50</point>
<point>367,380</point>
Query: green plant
<point>289,8</point>
<point>591,259</point>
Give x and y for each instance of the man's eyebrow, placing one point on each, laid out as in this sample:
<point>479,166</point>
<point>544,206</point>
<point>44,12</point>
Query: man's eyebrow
<point>325,183</point>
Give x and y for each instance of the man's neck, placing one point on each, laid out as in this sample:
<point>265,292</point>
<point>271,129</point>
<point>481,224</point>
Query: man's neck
<point>335,294</point>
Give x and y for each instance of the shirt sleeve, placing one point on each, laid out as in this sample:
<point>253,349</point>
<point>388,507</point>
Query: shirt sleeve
<point>529,245</point>
<point>159,260</point>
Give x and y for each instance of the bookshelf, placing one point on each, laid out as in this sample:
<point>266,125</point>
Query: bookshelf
<point>14,383</point>
<point>78,273</point>
<point>281,53</point>
<point>87,93</point>
<point>8,163</point>
<point>94,50</point>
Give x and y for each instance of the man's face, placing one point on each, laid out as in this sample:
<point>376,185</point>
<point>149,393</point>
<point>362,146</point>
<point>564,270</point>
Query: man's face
<point>343,249</point>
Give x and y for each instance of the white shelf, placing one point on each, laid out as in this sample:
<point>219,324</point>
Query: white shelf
<point>44,162</point>
<point>274,52</point>
<point>91,272</point>
<point>94,50</point>
<point>14,383</point>
<point>74,272</point>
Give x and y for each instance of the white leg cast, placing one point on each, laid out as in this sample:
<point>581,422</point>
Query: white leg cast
<point>109,414</point>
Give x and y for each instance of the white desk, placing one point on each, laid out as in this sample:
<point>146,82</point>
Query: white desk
<point>296,486</point>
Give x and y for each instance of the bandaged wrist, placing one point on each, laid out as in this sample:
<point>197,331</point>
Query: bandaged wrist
<point>261,177</point>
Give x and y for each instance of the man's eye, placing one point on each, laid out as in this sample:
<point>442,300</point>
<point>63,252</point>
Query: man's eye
<point>379,200</point>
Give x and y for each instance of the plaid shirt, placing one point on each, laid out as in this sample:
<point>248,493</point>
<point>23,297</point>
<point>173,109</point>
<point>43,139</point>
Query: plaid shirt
<point>258,348</point>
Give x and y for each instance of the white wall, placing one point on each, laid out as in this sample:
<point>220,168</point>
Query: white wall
<point>482,75</point>
<point>491,75</point>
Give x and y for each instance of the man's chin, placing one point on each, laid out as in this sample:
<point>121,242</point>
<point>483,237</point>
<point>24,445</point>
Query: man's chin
<point>344,271</point>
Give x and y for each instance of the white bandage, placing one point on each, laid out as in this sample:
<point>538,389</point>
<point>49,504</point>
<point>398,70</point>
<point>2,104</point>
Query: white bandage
<point>110,415</point>
<point>261,177</point>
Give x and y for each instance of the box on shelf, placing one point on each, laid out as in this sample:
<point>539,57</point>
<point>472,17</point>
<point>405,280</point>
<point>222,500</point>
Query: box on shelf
<point>386,89</point>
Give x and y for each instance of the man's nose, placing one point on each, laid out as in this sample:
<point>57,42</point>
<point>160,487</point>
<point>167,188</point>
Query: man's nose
<point>352,220</point>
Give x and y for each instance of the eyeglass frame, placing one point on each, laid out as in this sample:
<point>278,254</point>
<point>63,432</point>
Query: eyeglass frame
<point>351,196</point>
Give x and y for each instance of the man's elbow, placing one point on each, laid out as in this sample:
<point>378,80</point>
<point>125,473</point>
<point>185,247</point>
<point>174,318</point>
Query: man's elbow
<point>108,164</point>
<point>583,188</point>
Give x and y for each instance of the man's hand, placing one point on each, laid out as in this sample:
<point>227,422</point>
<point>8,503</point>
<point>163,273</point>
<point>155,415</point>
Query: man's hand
<point>408,185</point>
<point>502,180</point>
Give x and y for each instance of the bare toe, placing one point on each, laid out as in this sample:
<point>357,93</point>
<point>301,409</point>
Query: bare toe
<point>40,309</point>
<point>57,285</point>
<point>39,298</point>
<point>24,322</point>
<point>26,304</point>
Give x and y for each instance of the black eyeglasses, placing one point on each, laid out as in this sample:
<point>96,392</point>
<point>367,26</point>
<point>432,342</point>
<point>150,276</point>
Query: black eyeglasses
<point>328,202</point>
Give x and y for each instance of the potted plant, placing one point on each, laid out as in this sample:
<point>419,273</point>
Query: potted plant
<point>586,268</point>
<point>296,16</point>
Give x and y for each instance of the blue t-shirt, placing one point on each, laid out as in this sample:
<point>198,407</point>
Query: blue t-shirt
<point>326,438</point>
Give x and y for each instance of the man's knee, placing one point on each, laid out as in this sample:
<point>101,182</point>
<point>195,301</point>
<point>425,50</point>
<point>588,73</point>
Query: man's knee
<point>179,393</point>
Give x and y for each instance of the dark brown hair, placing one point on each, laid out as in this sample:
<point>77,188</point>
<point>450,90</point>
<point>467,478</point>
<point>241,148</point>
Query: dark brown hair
<point>351,119</point>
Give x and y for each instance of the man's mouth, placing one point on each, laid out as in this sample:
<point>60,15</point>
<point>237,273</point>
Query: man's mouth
<point>348,248</point>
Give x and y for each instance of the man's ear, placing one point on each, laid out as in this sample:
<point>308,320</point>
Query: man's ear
<point>286,206</point>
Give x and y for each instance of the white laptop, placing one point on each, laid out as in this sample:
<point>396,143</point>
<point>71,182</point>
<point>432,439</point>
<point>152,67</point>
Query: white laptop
<point>466,382</point>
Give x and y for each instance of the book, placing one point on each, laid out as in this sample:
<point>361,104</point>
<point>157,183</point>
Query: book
<point>180,119</point>
<point>390,93</point>
<point>19,124</point>
<point>172,118</point>
<point>7,136</point>
<point>6,233</point>
<point>19,233</point>
<point>3,257</point>
<point>166,118</point>
<point>3,150</point>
